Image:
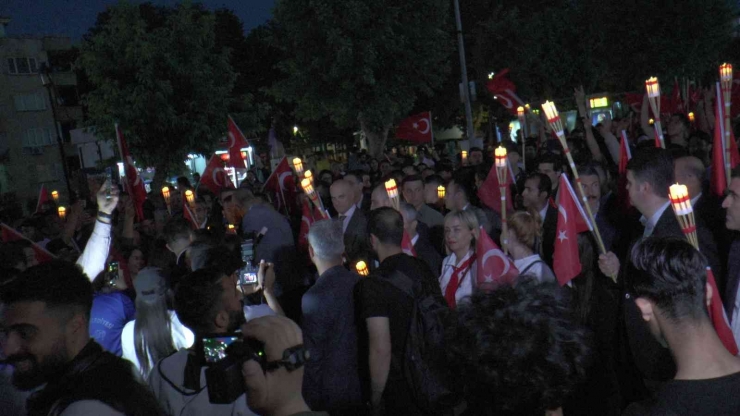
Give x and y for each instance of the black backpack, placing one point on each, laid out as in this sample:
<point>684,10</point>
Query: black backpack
<point>424,349</point>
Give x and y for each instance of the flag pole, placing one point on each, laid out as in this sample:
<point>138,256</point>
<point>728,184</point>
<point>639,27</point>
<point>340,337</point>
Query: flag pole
<point>431,129</point>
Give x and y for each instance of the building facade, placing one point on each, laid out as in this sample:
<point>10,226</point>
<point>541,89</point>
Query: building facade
<point>35,114</point>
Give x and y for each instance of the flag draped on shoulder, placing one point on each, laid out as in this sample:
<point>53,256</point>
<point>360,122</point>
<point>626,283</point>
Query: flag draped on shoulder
<point>134,184</point>
<point>214,176</point>
<point>571,221</point>
<point>9,234</point>
<point>237,142</point>
<point>719,317</point>
<point>416,128</point>
<point>281,186</point>
<point>493,266</point>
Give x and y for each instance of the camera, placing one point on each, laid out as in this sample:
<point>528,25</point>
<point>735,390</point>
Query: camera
<point>224,355</point>
<point>248,274</point>
<point>112,273</point>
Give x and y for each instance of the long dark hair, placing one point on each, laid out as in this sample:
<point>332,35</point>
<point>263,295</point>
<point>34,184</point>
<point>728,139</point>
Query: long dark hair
<point>152,332</point>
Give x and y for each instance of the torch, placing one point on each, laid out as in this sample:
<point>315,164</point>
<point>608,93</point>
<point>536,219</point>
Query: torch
<point>308,175</point>
<point>190,198</point>
<point>312,195</point>
<point>441,192</point>
<point>501,174</point>
<point>464,158</point>
<point>62,213</point>
<point>725,74</point>
<point>55,196</point>
<point>553,117</point>
<point>298,166</point>
<point>520,112</point>
<point>684,212</point>
<point>231,229</point>
<point>692,117</point>
<point>653,91</point>
<point>166,196</point>
<point>392,190</point>
<point>361,268</point>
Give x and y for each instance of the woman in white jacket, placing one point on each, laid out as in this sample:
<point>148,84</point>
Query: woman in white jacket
<point>461,230</point>
<point>524,230</point>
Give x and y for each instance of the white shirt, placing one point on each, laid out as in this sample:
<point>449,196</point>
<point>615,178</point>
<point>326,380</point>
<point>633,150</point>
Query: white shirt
<point>348,216</point>
<point>465,287</point>
<point>650,223</point>
<point>735,325</point>
<point>543,212</point>
<point>182,337</point>
<point>415,239</point>
<point>541,271</point>
<point>95,255</point>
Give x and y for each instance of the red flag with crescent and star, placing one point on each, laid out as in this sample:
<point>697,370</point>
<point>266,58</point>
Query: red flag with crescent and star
<point>9,234</point>
<point>718,316</point>
<point>133,183</point>
<point>416,128</point>
<point>493,266</point>
<point>43,199</point>
<point>504,91</point>
<point>281,186</point>
<point>565,260</point>
<point>718,183</point>
<point>237,142</point>
<point>214,176</point>
<point>490,191</point>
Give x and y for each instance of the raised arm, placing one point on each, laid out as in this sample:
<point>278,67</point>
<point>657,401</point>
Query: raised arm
<point>95,254</point>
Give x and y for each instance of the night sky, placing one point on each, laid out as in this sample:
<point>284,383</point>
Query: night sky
<point>73,17</point>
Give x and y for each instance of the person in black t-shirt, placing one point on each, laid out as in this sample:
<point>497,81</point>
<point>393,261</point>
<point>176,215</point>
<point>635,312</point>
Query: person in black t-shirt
<point>384,314</point>
<point>667,281</point>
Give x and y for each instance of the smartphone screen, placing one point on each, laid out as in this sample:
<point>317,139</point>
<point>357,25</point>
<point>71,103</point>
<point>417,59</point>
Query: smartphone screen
<point>109,181</point>
<point>214,347</point>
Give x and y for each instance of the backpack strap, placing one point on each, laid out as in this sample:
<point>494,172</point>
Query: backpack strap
<point>526,269</point>
<point>400,281</point>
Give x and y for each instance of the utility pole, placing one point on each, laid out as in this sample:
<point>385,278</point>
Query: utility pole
<point>464,71</point>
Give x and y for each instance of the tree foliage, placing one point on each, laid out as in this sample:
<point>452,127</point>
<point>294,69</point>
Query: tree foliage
<point>361,63</point>
<point>552,47</point>
<point>159,73</point>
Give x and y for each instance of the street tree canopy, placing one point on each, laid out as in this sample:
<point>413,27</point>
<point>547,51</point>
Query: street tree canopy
<point>363,64</point>
<point>158,73</point>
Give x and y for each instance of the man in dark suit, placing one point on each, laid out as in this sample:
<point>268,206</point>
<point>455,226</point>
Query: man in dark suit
<point>649,176</point>
<point>332,379</point>
<point>362,198</point>
<point>354,222</point>
<point>536,197</point>
<point>422,246</point>
<point>732,222</point>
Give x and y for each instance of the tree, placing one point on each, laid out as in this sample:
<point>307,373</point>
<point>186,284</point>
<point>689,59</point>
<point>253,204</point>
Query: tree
<point>158,73</point>
<point>361,63</point>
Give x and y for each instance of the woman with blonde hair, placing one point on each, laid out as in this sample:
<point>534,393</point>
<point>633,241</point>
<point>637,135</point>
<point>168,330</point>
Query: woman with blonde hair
<point>461,228</point>
<point>524,231</point>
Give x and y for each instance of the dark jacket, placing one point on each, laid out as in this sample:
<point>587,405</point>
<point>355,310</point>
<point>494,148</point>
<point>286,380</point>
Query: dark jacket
<point>99,376</point>
<point>355,238</point>
<point>733,277</point>
<point>332,379</point>
<point>426,252</point>
<point>549,230</point>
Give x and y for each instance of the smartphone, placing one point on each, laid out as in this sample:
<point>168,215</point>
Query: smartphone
<point>112,273</point>
<point>248,274</point>
<point>108,181</point>
<point>214,347</point>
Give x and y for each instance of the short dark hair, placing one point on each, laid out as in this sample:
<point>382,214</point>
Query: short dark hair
<point>684,120</point>
<point>411,178</point>
<point>476,149</point>
<point>386,224</point>
<point>552,158</point>
<point>544,185</point>
<point>176,229</point>
<point>736,172</point>
<point>434,179</point>
<point>198,299</point>
<point>671,273</point>
<point>59,284</point>
<point>357,174</point>
<point>654,166</point>
<point>521,342</point>
<point>465,181</point>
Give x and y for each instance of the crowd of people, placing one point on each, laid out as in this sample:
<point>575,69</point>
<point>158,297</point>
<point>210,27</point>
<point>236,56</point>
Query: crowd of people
<point>165,315</point>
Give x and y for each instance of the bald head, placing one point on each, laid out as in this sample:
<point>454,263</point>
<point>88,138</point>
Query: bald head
<point>690,171</point>
<point>342,196</point>
<point>379,197</point>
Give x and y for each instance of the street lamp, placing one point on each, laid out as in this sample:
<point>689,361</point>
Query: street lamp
<point>48,83</point>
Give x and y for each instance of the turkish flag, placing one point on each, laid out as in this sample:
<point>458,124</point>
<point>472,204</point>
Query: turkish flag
<point>504,91</point>
<point>416,128</point>
<point>635,99</point>
<point>490,191</point>
<point>281,186</point>
<point>719,317</point>
<point>406,246</point>
<point>214,176</point>
<point>9,234</point>
<point>566,261</point>
<point>493,266</point>
<point>624,157</point>
<point>718,183</point>
<point>43,199</point>
<point>189,215</point>
<point>237,142</point>
<point>133,184</point>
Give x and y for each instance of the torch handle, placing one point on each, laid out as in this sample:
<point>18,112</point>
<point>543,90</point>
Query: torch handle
<point>659,132</point>
<point>590,214</point>
<point>504,227</point>
<point>728,137</point>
